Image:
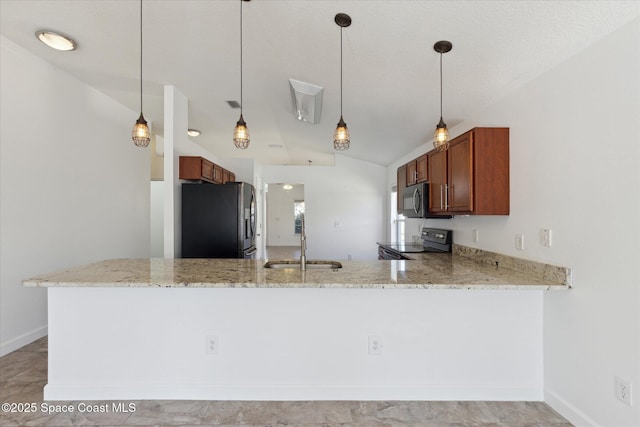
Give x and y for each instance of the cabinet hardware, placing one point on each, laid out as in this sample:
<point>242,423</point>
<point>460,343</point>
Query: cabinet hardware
<point>446,197</point>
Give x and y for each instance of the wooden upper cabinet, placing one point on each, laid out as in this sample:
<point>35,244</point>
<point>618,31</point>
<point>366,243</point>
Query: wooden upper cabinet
<point>401,183</point>
<point>417,170</point>
<point>490,159</point>
<point>472,176</point>
<point>437,180</point>
<point>422,164</point>
<point>411,173</point>
<point>196,168</point>
<point>460,174</point>
<point>217,174</point>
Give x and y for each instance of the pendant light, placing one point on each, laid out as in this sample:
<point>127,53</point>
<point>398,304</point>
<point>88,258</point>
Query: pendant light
<point>341,138</point>
<point>140,133</point>
<point>241,132</point>
<point>441,135</point>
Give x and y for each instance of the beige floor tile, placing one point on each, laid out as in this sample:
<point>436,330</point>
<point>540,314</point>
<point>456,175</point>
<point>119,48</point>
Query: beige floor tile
<point>23,374</point>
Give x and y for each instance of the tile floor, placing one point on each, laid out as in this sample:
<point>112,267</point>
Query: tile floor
<point>23,374</point>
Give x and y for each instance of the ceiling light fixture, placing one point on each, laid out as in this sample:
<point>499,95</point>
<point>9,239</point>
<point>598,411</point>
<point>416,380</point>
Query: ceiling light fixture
<point>341,137</point>
<point>140,133</point>
<point>56,41</point>
<point>193,132</point>
<point>241,132</point>
<point>441,135</point>
<point>287,187</point>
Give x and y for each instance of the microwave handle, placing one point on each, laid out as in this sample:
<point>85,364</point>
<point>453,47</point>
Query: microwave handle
<point>415,193</point>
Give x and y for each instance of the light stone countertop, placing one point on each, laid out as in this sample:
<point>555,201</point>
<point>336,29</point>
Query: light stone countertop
<point>426,271</point>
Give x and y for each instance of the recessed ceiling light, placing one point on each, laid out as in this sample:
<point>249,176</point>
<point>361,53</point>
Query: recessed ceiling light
<point>193,132</point>
<point>56,41</point>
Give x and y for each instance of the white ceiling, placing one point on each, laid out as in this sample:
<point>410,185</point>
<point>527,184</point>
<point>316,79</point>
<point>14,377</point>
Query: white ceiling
<point>391,72</point>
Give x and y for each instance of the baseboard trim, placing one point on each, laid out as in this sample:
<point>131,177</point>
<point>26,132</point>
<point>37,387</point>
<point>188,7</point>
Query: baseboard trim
<point>567,410</point>
<point>24,339</point>
<point>277,392</point>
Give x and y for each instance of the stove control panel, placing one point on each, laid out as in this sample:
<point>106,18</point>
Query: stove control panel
<point>437,239</point>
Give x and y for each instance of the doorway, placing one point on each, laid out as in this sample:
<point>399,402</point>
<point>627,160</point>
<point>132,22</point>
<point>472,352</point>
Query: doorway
<point>285,207</point>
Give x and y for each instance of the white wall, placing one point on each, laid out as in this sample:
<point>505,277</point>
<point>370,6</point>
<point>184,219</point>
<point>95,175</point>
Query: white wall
<point>575,168</point>
<point>156,207</point>
<point>281,216</point>
<point>344,204</point>
<point>74,188</point>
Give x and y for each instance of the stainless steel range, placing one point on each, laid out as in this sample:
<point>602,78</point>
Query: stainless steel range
<point>433,240</point>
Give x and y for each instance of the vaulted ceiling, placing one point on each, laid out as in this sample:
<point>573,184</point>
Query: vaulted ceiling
<point>391,72</point>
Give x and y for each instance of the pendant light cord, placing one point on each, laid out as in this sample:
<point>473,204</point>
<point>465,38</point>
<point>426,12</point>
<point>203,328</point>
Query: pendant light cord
<point>241,100</point>
<point>140,56</point>
<point>341,28</point>
<point>441,85</point>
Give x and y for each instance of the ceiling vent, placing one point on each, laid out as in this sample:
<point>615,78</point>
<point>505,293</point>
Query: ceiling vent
<point>233,104</point>
<point>306,99</point>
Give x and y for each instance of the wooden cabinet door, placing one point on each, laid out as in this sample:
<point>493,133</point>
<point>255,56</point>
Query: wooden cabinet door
<point>207,170</point>
<point>232,177</point>
<point>225,176</point>
<point>460,179</point>
<point>411,173</point>
<point>217,174</point>
<point>437,174</point>
<point>401,184</point>
<point>422,163</point>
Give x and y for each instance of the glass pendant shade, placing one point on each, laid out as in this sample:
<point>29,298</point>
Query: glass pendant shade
<point>441,136</point>
<point>341,138</point>
<point>241,134</point>
<point>140,133</point>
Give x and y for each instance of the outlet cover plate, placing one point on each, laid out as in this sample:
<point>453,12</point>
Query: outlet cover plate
<point>623,390</point>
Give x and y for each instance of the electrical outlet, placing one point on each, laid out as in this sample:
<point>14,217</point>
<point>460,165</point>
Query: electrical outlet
<point>474,236</point>
<point>520,242</point>
<point>545,237</point>
<point>375,345</point>
<point>211,344</point>
<point>623,390</point>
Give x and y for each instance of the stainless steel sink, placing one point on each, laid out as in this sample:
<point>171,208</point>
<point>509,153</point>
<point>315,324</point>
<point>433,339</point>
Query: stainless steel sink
<point>311,264</point>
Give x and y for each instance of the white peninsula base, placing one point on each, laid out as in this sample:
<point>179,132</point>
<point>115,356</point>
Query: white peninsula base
<point>115,343</point>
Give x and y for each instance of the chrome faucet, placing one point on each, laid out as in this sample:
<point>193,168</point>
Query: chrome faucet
<point>303,246</point>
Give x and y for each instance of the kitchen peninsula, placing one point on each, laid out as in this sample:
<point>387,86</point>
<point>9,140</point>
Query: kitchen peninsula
<point>232,329</point>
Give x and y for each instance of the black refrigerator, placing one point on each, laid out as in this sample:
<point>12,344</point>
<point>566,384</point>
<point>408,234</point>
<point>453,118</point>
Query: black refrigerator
<point>218,220</point>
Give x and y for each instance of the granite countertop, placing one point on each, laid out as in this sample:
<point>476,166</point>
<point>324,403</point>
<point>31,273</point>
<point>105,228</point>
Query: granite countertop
<point>426,271</point>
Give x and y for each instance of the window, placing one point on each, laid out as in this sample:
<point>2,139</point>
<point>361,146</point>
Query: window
<point>298,213</point>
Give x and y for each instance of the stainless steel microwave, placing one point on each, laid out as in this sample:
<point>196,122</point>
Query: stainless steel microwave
<point>415,202</point>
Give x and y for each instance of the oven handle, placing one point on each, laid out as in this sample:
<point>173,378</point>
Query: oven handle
<point>391,254</point>
<point>251,252</point>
